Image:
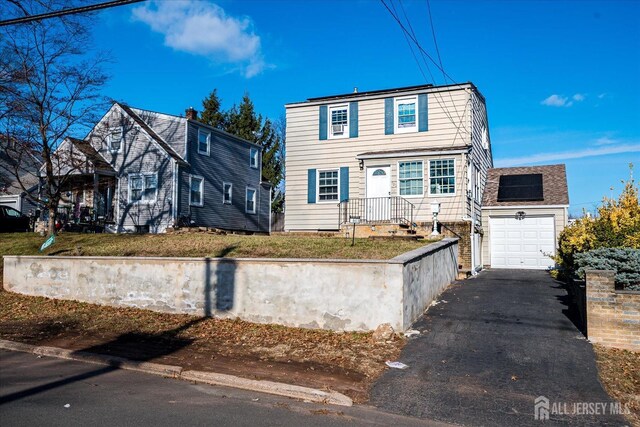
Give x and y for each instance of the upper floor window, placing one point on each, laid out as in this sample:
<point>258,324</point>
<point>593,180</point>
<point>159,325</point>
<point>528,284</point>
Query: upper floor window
<point>410,178</point>
<point>227,192</point>
<point>339,123</point>
<point>406,114</point>
<point>250,205</point>
<point>442,179</point>
<point>253,158</point>
<point>196,190</point>
<point>328,185</point>
<point>143,187</point>
<point>204,141</point>
<point>115,139</point>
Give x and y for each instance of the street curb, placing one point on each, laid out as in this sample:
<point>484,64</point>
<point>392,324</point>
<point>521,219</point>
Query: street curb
<point>270,387</point>
<point>280,389</point>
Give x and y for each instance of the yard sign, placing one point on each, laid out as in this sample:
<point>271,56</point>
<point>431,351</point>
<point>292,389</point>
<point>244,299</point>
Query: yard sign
<point>48,242</point>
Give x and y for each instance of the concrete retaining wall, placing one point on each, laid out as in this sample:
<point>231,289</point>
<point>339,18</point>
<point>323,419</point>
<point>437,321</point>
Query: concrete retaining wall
<point>613,316</point>
<point>328,294</point>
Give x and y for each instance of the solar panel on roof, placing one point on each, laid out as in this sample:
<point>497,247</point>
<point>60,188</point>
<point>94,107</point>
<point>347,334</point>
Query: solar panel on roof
<point>521,188</point>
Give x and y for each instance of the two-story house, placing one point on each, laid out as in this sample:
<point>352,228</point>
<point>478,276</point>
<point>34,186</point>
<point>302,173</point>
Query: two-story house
<point>389,157</point>
<point>145,171</point>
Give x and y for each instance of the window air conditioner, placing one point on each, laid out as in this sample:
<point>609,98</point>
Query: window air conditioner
<point>337,129</point>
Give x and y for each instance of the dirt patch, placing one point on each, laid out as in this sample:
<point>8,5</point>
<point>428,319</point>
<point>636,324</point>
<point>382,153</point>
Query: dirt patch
<point>620,374</point>
<point>344,362</point>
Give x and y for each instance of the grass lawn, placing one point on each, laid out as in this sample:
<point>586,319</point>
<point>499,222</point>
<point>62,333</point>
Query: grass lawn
<point>206,245</point>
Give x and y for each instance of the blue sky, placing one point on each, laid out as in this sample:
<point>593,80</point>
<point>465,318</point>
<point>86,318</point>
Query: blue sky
<point>559,77</point>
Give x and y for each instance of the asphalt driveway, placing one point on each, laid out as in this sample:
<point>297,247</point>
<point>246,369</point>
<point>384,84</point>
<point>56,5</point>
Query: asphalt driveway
<point>488,349</point>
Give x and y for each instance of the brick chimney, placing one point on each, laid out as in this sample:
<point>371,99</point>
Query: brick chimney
<point>191,114</point>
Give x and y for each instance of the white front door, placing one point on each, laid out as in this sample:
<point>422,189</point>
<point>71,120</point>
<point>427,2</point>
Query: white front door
<point>378,193</point>
<point>525,243</point>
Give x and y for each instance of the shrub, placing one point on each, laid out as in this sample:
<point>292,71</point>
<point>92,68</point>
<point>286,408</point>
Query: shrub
<point>616,225</point>
<point>624,261</point>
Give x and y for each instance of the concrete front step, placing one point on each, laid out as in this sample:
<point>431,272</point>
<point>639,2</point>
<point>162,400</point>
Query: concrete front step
<point>381,230</point>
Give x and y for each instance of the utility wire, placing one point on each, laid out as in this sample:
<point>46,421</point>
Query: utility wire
<point>70,11</point>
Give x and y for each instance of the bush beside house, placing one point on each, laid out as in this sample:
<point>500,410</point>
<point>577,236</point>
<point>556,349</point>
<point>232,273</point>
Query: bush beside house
<point>617,225</point>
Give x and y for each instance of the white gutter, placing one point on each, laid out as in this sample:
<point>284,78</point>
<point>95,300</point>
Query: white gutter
<point>527,207</point>
<point>409,154</point>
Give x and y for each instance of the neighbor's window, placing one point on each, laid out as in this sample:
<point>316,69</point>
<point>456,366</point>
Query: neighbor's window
<point>196,186</point>
<point>250,206</point>
<point>143,187</point>
<point>204,140</point>
<point>410,177</point>
<point>406,114</point>
<point>328,185</point>
<point>442,178</point>
<point>339,121</point>
<point>227,192</point>
<point>115,139</point>
<point>253,158</point>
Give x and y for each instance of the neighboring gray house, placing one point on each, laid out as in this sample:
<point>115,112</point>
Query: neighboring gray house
<point>385,157</point>
<point>13,173</point>
<point>145,171</point>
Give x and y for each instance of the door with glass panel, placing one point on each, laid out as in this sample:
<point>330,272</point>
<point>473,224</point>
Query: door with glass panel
<point>378,202</point>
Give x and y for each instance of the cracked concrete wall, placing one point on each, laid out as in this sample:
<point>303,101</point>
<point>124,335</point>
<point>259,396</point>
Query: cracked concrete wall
<point>328,294</point>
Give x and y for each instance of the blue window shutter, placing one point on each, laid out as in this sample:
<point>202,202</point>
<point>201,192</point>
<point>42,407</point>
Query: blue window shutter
<point>344,183</point>
<point>388,116</point>
<point>353,119</point>
<point>323,122</point>
<point>311,186</point>
<point>423,113</point>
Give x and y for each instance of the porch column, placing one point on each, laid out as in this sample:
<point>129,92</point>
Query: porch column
<point>107,208</point>
<point>96,179</point>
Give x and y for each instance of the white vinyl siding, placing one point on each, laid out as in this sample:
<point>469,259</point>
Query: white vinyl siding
<point>196,190</point>
<point>411,178</point>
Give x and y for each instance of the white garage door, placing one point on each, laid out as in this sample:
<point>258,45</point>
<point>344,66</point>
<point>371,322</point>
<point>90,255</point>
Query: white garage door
<point>522,243</point>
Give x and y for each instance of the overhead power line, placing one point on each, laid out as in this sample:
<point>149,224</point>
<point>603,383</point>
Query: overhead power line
<point>70,11</point>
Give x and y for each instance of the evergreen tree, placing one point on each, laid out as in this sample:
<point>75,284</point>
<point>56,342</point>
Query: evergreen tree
<point>211,112</point>
<point>244,122</point>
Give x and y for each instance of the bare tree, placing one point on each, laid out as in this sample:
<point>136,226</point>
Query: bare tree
<point>49,89</point>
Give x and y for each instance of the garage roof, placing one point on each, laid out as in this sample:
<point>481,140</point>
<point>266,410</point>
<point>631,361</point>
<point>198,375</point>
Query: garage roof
<point>554,185</point>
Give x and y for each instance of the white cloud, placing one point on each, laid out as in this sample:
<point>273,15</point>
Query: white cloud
<point>563,101</point>
<point>568,155</point>
<point>555,101</point>
<point>605,140</point>
<point>202,28</point>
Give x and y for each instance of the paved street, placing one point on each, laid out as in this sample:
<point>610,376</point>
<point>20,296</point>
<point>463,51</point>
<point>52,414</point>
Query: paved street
<point>34,391</point>
<point>489,349</point>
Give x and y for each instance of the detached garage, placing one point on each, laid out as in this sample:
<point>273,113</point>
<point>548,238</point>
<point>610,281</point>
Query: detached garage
<point>524,210</point>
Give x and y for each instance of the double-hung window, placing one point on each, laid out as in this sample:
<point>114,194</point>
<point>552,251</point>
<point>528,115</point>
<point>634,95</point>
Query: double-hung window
<point>339,123</point>
<point>442,179</point>
<point>115,139</point>
<point>250,200</point>
<point>196,190</point>
<point>328,185</point>
<point>410,178</point>
<point>204,141</point>
<point>406,114</point>
<point>253,158</point>
<point>143,187</point>
<point>227,192</point>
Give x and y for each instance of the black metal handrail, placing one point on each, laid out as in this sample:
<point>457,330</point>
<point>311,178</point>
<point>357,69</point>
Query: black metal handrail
<point>377,210</point>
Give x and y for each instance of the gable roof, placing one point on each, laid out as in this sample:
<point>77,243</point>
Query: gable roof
<point>27,170</point>
<point>90,153</point>
<point>162,143</point>
<point>554,185</point>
